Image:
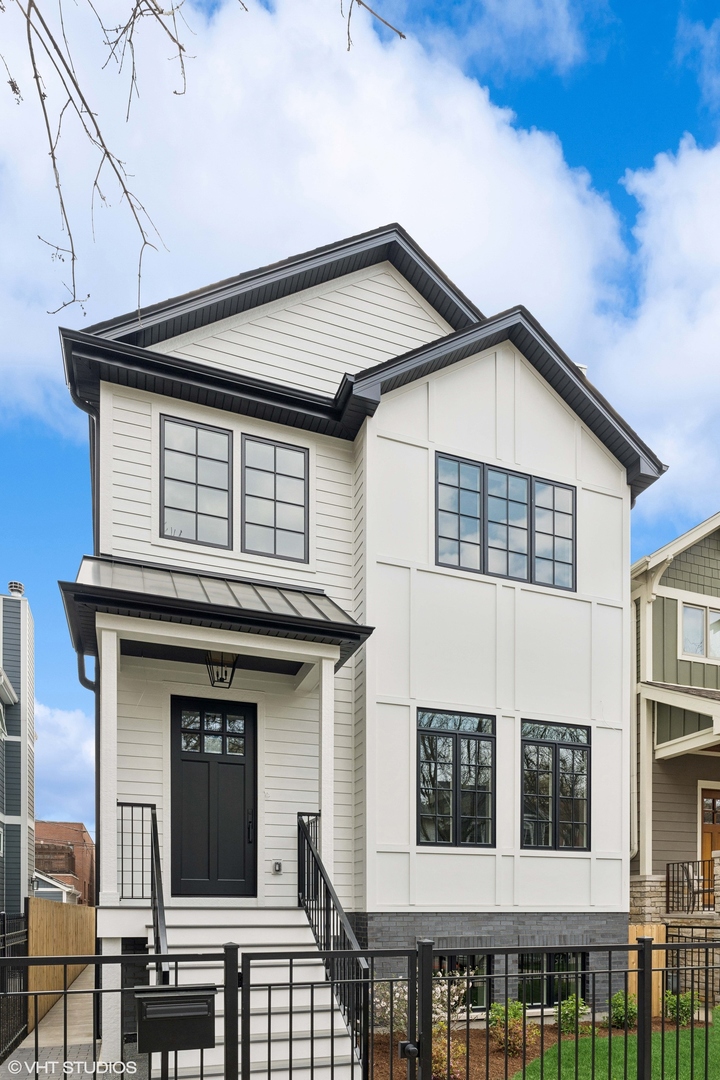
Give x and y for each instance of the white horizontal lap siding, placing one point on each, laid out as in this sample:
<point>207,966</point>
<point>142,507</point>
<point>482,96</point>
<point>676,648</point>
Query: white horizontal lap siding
<point>127,463</point>
<point>358,715</point>
<point>312,339</point>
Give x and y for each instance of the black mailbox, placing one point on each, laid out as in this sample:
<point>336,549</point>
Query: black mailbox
<point>175,1018</point>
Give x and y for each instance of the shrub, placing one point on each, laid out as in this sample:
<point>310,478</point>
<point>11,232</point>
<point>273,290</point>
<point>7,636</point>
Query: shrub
<point>568,1013</point>
<point>623,1009</point>
<point>679,1007</point>
<point>509,1030</point>
<point>457,1067</point>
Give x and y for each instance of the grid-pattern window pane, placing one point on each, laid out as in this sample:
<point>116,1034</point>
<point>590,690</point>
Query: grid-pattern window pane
<point>210,731</point>
<point>455,778</point>
<point>436,794</point>
<point>537,796</point>
<point>507,524</point>
<point>195,483</point>
<point>459,513</point>
<point>546,978</point>
<point>555,786</point>
<point>504,523</point>
<point>554,534</point>
<point>275,499</point>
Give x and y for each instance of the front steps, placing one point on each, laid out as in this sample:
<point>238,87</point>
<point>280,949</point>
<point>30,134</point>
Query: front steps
<point>313,1029</point>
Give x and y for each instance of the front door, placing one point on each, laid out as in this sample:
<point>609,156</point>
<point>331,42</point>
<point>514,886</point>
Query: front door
<point>213,798</point>
<point>710,822</point>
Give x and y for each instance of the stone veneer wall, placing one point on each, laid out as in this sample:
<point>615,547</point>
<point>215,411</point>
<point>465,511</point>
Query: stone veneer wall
<point>647,898</point>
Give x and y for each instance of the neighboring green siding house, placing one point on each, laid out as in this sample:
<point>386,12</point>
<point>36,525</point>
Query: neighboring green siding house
<point>17,738</point>
<point>675,825</point>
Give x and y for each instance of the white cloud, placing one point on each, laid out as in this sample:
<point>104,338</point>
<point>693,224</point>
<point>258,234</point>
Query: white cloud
<point>699,46</point>
<point>64,765</point>
<point>285,141</point>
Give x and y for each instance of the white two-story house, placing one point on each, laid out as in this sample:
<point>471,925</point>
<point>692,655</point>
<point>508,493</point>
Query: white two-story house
<point>403,529</point>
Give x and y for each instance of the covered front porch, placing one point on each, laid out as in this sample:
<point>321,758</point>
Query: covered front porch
<point>225,705</point>
<point>675,871</point>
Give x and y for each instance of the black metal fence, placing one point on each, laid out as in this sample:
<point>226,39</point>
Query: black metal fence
<point>690,886</point>
<point>639,1011</point>
<point>13,981</point>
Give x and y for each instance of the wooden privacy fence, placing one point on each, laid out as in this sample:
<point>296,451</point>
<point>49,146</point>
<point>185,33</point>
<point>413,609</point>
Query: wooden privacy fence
<point>56,929</point>
<point>658,932</point>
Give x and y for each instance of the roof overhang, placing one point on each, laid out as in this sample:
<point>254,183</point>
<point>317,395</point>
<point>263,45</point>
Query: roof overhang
<point>390,243</point>
<point>239,605</point>
<point>90,360</point>
<point>694,699</point>
<point>518,326</point>
<point>664,555</point>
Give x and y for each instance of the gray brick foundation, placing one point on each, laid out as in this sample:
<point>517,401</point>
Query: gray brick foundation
<point>458,931</point>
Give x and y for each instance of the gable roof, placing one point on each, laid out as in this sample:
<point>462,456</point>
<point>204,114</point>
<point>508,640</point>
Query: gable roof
<point>89,359</point>
<point>390,243</point>
<point>681,543</point>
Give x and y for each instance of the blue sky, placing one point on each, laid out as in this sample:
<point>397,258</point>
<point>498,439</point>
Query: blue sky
<point>534,147</point>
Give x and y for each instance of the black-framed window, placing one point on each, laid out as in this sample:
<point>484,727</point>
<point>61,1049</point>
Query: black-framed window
<point>456,779</point>
<point>549,977</point>
<point>555,786</point>
<point>504,523</point>
<point>477,970</point>
<point>275,499</point>
<point>195,482</point>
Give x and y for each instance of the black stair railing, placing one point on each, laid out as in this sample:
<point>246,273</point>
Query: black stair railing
<point>349,975</point>
<point>140,870</point>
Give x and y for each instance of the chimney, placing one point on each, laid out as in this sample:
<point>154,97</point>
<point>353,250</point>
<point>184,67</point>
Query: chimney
<point>16,588</point>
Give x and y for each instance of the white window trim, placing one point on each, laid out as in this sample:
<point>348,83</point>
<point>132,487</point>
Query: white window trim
<point>703,604</point>
<point>703,785</point>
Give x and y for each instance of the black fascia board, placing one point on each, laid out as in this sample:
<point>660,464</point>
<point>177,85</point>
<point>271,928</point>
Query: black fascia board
<point>90,360</point>
<point>202,307</point>
<point>82,601</point>
<point>518,326</point>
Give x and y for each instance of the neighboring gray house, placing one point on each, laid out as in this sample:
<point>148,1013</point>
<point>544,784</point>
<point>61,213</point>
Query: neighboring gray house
<point>17,749</point>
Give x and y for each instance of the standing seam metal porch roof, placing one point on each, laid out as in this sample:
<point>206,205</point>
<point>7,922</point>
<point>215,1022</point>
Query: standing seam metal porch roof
<point>243,605</point>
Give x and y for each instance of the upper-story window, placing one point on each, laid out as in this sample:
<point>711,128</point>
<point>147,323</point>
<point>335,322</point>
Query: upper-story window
<point>505,523</point>
<point>456,779</point>
<point>195,499</point>
<point>555,786</point>
<point>275,499</point>
<point>701,631</point>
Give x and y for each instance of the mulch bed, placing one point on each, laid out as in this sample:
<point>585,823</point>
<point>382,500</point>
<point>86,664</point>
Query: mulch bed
<point>490,1064</point>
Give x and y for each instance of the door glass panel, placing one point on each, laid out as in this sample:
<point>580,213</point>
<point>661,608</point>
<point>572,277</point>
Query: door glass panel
<point>190,720</point>
<point>236,724</point>
<point>235,745</point>
<point>213,744</point>
<point>213,722</point>
<point>190,741</point>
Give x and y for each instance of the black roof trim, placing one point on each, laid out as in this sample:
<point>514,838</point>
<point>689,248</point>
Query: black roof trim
<point>82,601</point>
<point>390,243</point>
<point>559,371</point>
<point>90,360</point>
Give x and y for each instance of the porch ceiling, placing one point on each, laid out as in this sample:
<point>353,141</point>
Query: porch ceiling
<point>147,591</point>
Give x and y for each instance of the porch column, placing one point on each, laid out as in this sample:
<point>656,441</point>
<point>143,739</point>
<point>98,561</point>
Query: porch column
<point>326,700</point>
<point>645,788</point>
<point>108,663</point>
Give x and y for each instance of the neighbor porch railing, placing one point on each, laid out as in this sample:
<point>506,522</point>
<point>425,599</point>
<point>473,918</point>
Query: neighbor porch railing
<point>690,886</point>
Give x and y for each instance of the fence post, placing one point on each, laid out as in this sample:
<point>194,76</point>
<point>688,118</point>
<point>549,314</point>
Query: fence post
<point>425,976</point>
<point>644,1035</point>
<point>230,995</point>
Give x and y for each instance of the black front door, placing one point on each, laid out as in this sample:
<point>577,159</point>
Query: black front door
<point>213,798</point>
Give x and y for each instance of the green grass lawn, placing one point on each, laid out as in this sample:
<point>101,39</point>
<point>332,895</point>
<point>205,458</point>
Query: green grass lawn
<point>677,1058</point>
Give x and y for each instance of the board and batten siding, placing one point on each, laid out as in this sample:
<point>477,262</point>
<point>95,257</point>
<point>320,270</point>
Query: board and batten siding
<point>667,666</point>
<point>675,806</point>
<point>450,639</point>
<point>310,340</point>
<point>287,766</point>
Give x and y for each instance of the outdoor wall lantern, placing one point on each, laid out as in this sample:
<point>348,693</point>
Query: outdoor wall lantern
<point>221,668</point>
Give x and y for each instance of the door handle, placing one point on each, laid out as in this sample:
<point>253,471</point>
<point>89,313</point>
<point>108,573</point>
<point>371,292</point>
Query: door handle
<point>250,826</point>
